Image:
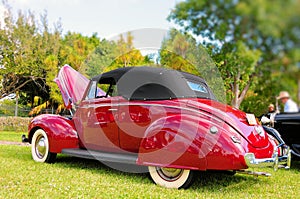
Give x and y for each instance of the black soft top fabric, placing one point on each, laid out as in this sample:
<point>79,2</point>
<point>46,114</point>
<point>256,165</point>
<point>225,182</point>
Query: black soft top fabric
<point>114,75</point>
<point>149,83</point>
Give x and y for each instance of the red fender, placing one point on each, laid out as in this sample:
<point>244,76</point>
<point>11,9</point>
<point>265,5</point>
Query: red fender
<point>167,144</point>
<point>186,141</point>
<point>60,130</point>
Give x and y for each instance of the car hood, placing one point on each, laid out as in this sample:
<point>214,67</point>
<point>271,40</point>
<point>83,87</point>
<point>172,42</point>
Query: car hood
<point>237,119</point>
<point>72,85</point>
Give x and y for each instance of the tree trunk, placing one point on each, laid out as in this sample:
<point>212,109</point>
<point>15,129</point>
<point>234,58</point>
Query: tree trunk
<point>17,103</point>
<point>236,91</point>
<point>239,95</point>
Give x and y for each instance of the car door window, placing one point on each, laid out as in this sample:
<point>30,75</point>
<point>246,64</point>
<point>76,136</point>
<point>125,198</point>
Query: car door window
<point>110,90</point>
<point>98,90</point>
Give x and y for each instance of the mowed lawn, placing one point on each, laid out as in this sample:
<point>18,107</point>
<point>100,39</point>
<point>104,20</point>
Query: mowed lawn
<point>21,177</point>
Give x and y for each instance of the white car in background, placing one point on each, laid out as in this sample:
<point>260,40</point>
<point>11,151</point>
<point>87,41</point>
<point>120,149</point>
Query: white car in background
<point>8,97</point>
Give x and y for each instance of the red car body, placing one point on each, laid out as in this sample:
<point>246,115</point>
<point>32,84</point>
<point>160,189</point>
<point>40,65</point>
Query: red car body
<point>175,129</point>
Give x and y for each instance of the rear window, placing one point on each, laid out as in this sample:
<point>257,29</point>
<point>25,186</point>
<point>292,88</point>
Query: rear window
<point>198,87</point>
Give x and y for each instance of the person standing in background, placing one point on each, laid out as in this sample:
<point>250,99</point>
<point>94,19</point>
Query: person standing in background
<point>289,105</point>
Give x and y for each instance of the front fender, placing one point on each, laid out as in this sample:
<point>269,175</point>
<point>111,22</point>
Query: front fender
<point>61,131</point>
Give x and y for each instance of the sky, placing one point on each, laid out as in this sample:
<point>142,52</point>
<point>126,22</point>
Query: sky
<point>107,18</point>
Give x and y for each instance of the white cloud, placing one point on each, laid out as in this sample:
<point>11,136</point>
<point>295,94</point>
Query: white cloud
<point>2,10</point>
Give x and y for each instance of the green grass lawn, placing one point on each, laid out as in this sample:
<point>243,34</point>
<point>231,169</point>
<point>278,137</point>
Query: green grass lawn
<point>21,177</point>
<point>11,136</point>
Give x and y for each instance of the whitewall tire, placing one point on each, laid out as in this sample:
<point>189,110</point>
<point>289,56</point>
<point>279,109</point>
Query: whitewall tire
<point>171,177</point>
<point>40,147</point>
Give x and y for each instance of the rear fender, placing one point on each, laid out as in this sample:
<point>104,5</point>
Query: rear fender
<point>191,142</point>
<point>61,131</point>
<point>173,141</point>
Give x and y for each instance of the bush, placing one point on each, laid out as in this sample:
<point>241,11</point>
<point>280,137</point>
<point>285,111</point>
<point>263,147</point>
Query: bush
<point>18,124</point>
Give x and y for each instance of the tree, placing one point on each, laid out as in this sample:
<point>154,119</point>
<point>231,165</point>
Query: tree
<point>104,55</point>
<point>238,67</point>
<point>178,52</point>
<point>19,52</point>
<point>127,54</point>
<point>256,34</point>
<point>76,48</point>
<point>110,55</point>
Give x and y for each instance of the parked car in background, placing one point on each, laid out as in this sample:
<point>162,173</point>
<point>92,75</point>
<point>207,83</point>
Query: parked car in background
<point>288,125</point>
<point>165,120</point>
<point>11,96</point>
<point>284,127</point>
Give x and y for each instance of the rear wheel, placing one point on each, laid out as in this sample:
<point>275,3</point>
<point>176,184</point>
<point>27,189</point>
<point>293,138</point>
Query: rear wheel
<point>40,147</point>
<point>171,177</point>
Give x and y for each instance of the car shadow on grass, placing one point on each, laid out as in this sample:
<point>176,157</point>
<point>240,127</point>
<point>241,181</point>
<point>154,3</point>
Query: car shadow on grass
<point>295,164</point>
<point>207,180</point>
<point>218,180</point>
<point>100,167</point>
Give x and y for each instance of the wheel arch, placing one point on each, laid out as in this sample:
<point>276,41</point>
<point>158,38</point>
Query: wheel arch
<point>196,147</point>
<point>60,131</point>
<point>167,138</point>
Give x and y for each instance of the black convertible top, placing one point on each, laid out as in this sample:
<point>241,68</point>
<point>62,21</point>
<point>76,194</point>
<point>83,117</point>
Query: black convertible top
<point>149,83</point>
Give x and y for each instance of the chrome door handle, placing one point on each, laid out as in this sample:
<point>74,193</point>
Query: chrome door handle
<point>112,109</point>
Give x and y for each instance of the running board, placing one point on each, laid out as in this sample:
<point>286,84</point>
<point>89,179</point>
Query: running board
<point>102,156</point>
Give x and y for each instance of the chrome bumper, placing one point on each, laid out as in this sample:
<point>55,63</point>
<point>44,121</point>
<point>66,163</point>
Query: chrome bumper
<point>274,161</point>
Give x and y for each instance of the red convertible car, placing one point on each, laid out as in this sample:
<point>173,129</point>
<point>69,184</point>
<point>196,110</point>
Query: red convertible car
<point>166,120</point>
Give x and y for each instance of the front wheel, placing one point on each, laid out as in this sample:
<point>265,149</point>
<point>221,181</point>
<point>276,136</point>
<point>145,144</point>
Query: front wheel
<point>40,147</point>
<point>171,177</point>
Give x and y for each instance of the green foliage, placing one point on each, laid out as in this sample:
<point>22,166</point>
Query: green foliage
<point>29,47</point>
<point>103,56</point>
<point>19,51</point>
<point>76,48</point>
<point>238,67</point>
<point>180,51</point>
<point>110,55</point>
<point>250,42</point>
<point>7,107</point>
<point>127,55</point>
<point>31,55</point>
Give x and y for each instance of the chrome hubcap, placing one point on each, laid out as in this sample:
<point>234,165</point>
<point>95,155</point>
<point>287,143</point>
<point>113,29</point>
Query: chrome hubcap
<point>169,174</point>
<point>40,146</point>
